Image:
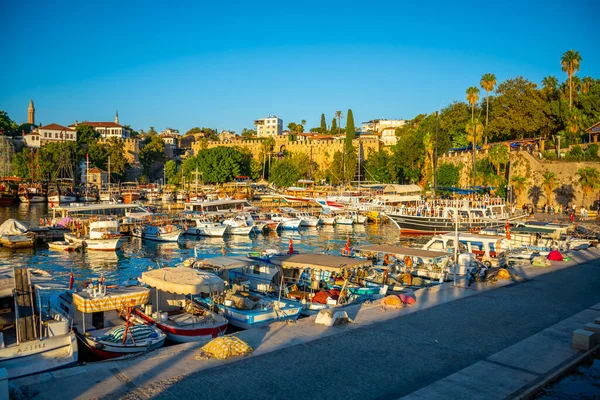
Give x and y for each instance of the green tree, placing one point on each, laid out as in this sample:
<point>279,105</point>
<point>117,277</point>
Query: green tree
<point>549,87</point>
<point>284,173</point>
<point>588,179</point>
<point>448,175</point>
<point>7,125</point>
<point>499,156</point>
<point>377,166</point>
<point>21,163</point>
<point>151,154</point>
<point>194,130</point>
<point>549,183</point>
<point>339,116</point>
<point>488,82</point>
<point>472,98</point>
<point>323,124</point>
<point>570,63</point>
<point>350,129</point>
<point>519,182</point>
<point>267,145</point>
<point>219,164</point>
<point>171,172</point>
<point>248,133</point>
<point>334,127</point>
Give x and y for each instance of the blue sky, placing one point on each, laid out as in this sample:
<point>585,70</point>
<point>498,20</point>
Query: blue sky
<point>223,65</point>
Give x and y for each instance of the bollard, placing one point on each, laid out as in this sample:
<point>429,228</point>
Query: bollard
<point>583,340</point>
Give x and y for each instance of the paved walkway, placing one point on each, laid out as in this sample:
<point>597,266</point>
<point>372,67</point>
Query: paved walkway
<point>384,355</point>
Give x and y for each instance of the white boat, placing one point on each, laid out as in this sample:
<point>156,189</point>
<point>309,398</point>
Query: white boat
<point>172,307</point>
<point>15,235</point>
<point>97,313</point>
<point>31,193</point>
<point>103,235</point>
<point>306,218</point>
<point>287,223</point>
<point>238,226</point>
<point>167,233</point>
<point>346,219</point>
<point>489,249</point>
<point>327,219</point>
<point>206,228</point>
<point>63,246</point>
<point>167,197</point>
<point>32,339</point>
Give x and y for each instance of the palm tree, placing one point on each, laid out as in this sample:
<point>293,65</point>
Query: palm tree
<point>499,156</point>
<point>488,82</point>
<point>550,84</point>
<point>587,84</point>
<point>589,179</point>
<point>472,98</point>
<point>519,183</point>
<point>267,146</point>
<point>570,62</point>
<point>339,116</point>
<point>549,184</point>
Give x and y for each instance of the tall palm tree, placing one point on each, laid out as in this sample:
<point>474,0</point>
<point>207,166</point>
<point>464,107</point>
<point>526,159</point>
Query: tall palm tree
<point>488,82</point>
<point>550,84</point>
<point>549,184</point>
<point>339,116</point>
<point>472,98</point>
<point>570,63</point>
<point>587,84</point>
<point>589,179</point>
<point>499,156</point>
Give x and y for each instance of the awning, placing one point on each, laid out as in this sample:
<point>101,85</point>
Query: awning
<point>404,251</point>
<point>183,280</point>
<point>402,189</point>
<point>115,299</point>
<point>322,262</point>
<point>229,262</point>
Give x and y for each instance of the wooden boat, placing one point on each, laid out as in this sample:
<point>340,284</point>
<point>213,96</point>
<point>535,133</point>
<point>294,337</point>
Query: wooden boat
<point>64,246</point>
<point>97,313</point>
<point>32,340</point>
<point>32,193</point>
<point>8,191</point>
<point>167,233</point>
<point>130,192</point>
<point>62,192</point>
<point>104,235</point>
<point>249,302</point>
<point>15,235</point>
<point>172,307</point>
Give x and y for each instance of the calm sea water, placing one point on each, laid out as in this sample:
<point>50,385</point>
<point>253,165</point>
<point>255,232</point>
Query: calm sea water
<point>137,256</point>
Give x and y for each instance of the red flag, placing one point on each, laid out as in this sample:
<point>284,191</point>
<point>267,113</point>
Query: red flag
<point>348,244</point>
<point>291,249</point>
<point>71,280</point>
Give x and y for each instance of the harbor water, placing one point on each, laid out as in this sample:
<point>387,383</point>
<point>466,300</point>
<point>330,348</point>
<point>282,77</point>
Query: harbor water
<point>139,255</point>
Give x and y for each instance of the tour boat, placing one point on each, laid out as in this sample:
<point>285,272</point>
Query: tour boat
<point>97,313</point>
<point>32,338</point>
<point>62,192</point>
<point>206,228</point>
<point>167,233</point>
<point>173,309</point>
<point>286,222</point>
<point>489,249</point>
<point>15,235</point>
<point>103,235</point>
<point>247,303</point>
<point>130,192</point>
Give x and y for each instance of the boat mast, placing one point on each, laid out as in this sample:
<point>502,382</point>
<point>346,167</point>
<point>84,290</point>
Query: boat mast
<point>109,176</point>
<point>87,174</point>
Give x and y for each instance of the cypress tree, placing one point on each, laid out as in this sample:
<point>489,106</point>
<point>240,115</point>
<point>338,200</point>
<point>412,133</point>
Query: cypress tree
<point>334,129</point>
<point>323,124</point>
<point>350,130</point>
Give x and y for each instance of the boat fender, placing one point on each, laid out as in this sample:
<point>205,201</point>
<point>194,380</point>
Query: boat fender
<point>99,345</point>
<point>169,229</point>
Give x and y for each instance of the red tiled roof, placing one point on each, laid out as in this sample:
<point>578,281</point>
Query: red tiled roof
<point>56,127</point>
<point>100,124</point>
<point>96,170</point>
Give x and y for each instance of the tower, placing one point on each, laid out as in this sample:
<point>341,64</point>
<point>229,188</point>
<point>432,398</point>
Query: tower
<point>117,117</point>
<point>31,113</point>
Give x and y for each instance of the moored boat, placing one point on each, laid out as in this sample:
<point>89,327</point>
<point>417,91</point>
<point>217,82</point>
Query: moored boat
<point>104,235</point>
<point>15,235</point>
<point>130,192</point>
<point>63,246</point>
<point>167,233</point>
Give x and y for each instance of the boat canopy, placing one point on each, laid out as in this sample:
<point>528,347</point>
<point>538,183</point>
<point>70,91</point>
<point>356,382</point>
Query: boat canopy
<point>323,262</point>
<point>182,280</point>
<point>402,189</point>
<point>405,251</point>
<point>231,262</point>
<point>114,299</point>
<point>13,227</point>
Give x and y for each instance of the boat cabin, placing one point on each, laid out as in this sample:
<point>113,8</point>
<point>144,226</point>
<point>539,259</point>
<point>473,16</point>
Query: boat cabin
<point>487,248</point>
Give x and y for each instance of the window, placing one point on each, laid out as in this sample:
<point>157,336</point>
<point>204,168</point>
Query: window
<point>55,135</point>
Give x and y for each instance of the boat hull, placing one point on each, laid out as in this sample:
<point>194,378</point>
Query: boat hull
<point>97,244</point>
<point>210,232</point>
<point>247,319</point>
<point>106,350</point>
<point>130,198</point>
<point>39,355</point>
<point>180,335</point>
<point>417,225</point>
<point>32,199</point>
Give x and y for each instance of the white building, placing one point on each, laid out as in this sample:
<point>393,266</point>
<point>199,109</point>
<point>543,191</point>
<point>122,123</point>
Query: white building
<point>270,126</point>
<point>384,127</point>
<point>50,133</point>
<point>107,129</point>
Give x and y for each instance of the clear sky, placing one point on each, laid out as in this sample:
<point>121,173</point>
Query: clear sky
<point>224,64</point>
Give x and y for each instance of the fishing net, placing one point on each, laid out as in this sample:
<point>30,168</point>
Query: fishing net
<point>223,348</point>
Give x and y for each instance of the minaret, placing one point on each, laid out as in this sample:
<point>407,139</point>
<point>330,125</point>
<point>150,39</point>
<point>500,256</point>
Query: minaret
<point>31,113</point>
<point>117,117</point>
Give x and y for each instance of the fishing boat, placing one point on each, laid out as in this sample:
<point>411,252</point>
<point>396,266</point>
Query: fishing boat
<point>490,249</point>
<point>32,193</point>
<point>63,246</point>
<point>251,299</point>
<point>33,338</point>
<point>130,192</point>
<point>62,192</point>
<point>8,190</point>
<point>327,219</point>
<point>204,227</point>
<point>306,218</point>
<point>322,281</point>
<point>172,307</point>
<point>286,222</point>
<point>167,233</point>
<point>104,235</point>
<point>345,219</point>
<point>16,235</point>
<point>97,312</point>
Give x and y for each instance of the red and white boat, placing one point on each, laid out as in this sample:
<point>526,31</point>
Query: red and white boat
<point>130,192</point>
<point>98,313</point>
<point>173,309</point>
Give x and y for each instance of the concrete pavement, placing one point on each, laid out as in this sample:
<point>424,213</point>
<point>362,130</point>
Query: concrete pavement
<point>384,355</point>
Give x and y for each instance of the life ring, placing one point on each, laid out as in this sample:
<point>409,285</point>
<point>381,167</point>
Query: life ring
<point>169,229</point>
